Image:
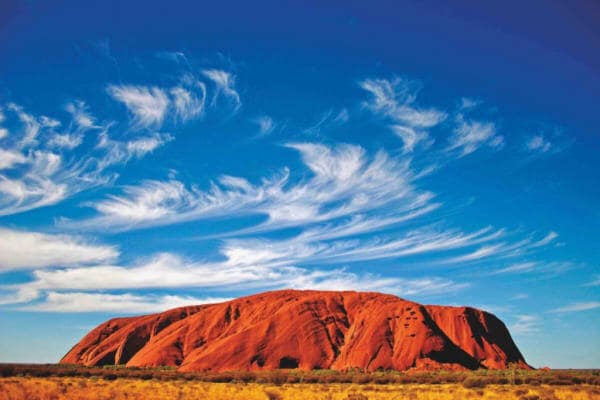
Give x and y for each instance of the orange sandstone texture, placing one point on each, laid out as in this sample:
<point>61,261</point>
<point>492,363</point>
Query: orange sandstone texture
<point>307,330</point>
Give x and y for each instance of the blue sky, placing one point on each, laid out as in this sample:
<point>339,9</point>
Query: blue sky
<point>159,155</point>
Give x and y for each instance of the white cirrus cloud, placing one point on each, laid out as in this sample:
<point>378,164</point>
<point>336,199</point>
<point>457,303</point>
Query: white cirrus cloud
<point>38,182</point>
<point>344,181</point>
<point>31,125</point>
<point>121,151</point>
<point>224,83</point>
<point>261,263</point>
<point>517,268</point>
<point>82,118</point>
<point>507,250</point>
<point>186,103</point>
<point>550,237</point>
<point>467,103</point>
<point>470,135</point>
<point>9,158</point>
<point>394,99</point>
<point>31,250</point>
<point>148,105</point>
<point>482,252</point>
<point>76,302</point>
<point>82,121</point>
<point>76,164</point>
<point>152,200</point>
<point>40,166</point>
<point>595,282</point>
<point>538,143</point>
<point>66,141</point>
<point>329,119</point>
<point>526,325</point>
<point>266,125</point>
<point>410,137</point>
<point>576,307</point>
<point>151,106</point>
<point>144,145</point>
<point>168,271</point>
<point>347,195</point>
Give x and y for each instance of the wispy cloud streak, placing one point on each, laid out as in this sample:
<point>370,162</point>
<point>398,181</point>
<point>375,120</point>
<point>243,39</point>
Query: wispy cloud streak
<point>148,105</point>
<point>526,325</point>
<point>224,83</point>
<point>251,270</point>
<point>469,135</point>
<point>395,100</point>
<point>344,182</point>
<point>344,205</point>
<point>41,161</point>
<point>31,250</point>
<point>577,307</point>
<point>78,302</point>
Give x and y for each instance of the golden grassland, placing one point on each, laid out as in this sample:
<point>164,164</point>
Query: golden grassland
<point>94,388</point>
<point>53,382</point>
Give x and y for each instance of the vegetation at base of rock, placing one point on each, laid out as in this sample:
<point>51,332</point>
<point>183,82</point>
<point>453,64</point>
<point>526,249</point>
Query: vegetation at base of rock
<point>468,379</point>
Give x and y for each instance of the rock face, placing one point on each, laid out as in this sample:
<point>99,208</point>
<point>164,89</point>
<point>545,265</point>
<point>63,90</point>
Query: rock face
<point>307,330</point>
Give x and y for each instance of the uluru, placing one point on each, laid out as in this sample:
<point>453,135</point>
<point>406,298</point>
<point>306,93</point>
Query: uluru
<point>307,330</point>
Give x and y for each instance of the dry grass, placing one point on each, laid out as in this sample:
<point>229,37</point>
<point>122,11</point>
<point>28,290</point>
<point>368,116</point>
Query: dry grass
<point>94,388</point>
<point>54,382</point>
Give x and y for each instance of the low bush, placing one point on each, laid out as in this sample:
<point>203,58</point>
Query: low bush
<point>361,379</point>
<point>110,377</point>
<point>271,395</point>
<point>383,380</point>
<point>357,396</point>
<point>530,397</point>
<point>474,382</point>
